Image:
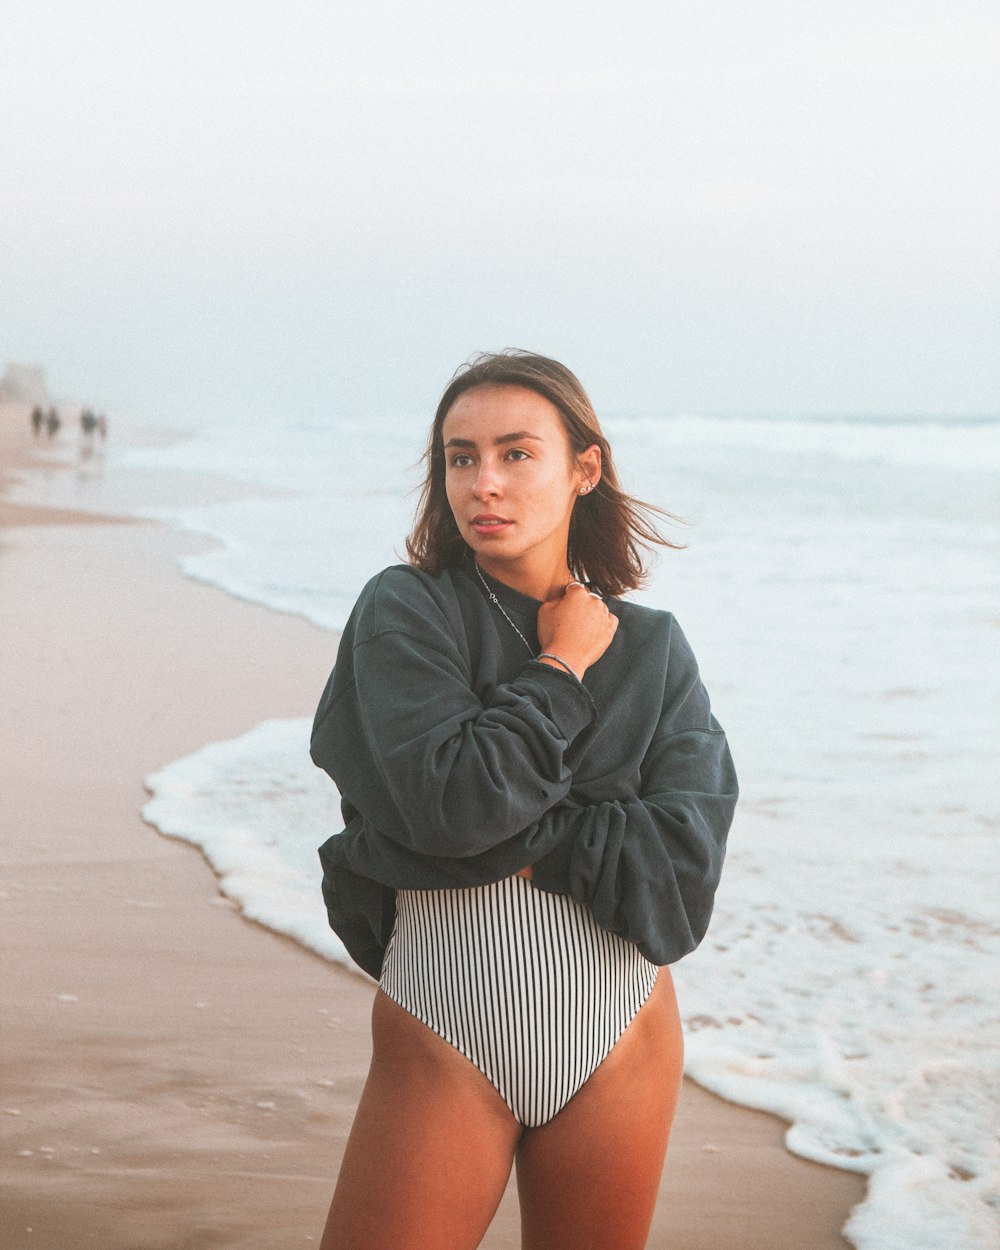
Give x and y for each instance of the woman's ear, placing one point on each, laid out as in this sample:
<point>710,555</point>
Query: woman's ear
<point>589,464</point>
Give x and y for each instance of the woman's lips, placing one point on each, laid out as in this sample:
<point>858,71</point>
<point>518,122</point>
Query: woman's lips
<point>490,525</point>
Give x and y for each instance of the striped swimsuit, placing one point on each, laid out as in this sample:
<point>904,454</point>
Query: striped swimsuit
<point>524,983</point>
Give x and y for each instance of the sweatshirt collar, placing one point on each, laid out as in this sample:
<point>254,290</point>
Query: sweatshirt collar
<point>523,607</point>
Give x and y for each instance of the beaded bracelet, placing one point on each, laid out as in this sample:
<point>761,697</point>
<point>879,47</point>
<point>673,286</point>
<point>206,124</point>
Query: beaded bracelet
<point>547,655</point>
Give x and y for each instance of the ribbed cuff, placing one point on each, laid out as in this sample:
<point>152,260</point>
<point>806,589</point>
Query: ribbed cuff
<point>571,703</point>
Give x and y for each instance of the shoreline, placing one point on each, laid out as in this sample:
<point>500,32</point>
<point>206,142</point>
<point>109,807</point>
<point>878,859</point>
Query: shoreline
<point>187,1069</point>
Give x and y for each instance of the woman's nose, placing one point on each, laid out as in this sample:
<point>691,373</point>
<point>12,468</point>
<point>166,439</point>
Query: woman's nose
<point>487,482</point>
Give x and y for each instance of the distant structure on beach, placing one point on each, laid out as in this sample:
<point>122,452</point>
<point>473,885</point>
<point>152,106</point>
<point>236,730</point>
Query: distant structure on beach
<point>23,384</point>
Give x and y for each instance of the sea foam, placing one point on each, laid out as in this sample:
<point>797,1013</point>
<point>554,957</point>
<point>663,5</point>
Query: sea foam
<point>258,810</point>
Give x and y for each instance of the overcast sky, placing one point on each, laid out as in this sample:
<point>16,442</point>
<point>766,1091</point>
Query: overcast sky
<point>709,206</point>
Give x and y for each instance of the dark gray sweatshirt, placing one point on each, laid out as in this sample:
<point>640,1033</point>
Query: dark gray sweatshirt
<point>461,759</point>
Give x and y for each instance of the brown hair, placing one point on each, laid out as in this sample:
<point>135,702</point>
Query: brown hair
<point>608,529</point>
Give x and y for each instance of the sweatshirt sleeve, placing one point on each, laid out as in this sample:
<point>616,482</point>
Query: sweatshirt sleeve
<point>443,771</point>
<point>648,866</point>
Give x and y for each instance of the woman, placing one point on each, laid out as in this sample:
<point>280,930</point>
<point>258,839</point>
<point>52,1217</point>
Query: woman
<point>537,799</point>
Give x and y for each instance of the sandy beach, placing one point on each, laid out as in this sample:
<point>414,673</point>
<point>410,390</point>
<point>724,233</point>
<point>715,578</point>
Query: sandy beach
<point>176,1077</point>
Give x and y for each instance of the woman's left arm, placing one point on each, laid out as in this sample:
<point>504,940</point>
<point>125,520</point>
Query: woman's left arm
<point>648,867</point>
<point>648,864</point>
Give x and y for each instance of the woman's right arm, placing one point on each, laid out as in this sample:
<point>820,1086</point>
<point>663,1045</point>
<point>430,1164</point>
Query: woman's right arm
<point>463,774</point>
<point>432,766</point>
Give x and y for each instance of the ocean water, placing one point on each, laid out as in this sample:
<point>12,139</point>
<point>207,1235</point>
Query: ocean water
<point>841,588</point>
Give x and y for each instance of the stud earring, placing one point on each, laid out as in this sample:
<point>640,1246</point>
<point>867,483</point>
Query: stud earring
<point>584,489</point>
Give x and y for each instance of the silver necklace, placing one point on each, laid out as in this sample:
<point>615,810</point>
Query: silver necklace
<point>493,599</point>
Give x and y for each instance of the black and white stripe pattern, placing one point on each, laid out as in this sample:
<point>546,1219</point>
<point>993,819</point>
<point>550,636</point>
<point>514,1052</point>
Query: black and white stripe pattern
<point>525,984</point>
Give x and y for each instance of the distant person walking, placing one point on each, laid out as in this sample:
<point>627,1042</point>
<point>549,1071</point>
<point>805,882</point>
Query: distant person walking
<point>52,423</point>
<point>37,420</point>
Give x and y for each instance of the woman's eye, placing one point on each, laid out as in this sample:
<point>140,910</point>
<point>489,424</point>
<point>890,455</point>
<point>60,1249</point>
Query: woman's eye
<point>516,453</point>
<point>460,461</point>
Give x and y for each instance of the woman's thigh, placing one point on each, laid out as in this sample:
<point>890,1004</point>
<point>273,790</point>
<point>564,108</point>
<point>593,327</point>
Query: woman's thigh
<point>430,1150</point>
<point>589,1178</point>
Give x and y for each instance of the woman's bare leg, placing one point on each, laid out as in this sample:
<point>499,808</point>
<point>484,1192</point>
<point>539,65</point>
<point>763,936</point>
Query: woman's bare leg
<point>430,1150</point>
<point>588,1179</point>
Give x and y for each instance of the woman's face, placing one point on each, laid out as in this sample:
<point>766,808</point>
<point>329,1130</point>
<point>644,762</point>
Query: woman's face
<point>512,480</point>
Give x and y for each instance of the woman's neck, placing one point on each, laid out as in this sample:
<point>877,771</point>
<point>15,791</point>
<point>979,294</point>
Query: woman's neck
<point>537,583</point>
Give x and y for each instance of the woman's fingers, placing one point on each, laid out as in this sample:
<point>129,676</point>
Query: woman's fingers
<point>578,627</point>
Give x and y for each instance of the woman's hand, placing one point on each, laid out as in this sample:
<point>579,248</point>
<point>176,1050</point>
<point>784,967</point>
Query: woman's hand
<point>576,627</point>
